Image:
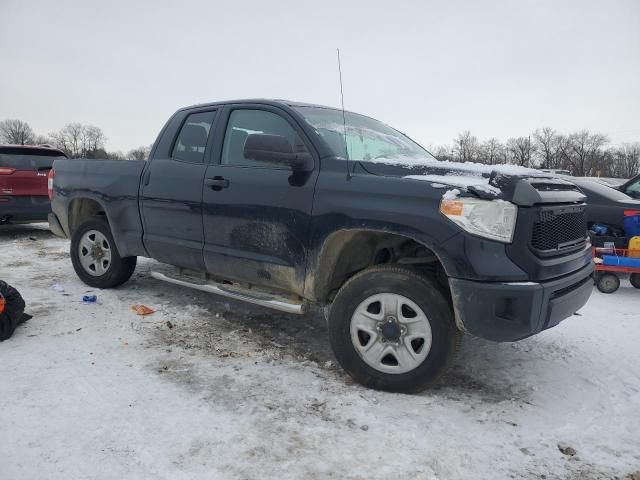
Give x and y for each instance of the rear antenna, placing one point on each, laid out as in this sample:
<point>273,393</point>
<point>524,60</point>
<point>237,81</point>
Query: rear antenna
<point>344,120</point>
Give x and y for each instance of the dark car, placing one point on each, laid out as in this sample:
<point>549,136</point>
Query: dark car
<point>289,205</point>
<point>23,182</point>
<point>631,187</point>
<point>605,205</point>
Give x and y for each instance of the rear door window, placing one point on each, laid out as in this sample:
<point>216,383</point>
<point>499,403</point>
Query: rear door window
<point>192,139</point>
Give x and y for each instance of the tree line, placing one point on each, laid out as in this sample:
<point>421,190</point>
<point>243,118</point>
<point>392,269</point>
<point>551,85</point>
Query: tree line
<point>76,140</point>
<point>582,153</point>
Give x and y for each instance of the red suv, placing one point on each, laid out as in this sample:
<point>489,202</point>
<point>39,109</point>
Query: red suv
<point>24,171</point>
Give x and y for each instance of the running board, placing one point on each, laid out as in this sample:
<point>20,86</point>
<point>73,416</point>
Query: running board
<point>262,299</point>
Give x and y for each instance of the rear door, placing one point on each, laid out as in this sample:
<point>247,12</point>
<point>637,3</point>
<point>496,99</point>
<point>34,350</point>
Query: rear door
<point>171,191</point>
<point>257,215</point>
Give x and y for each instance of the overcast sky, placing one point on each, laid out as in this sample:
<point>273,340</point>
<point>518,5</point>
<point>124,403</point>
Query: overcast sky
<point>430,69</point>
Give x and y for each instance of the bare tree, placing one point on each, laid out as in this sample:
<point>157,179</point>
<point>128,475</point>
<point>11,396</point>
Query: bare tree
<point>466,147</point>
<point>442,152</point>
<point>94,138</point>
<point>584,148</point>
<point>547,142</point>
<point>491,151</point>
<point>140,153</point>
<point>118,155</point>
<point>41,140</point>
<point>520,151</point>
<point>625,160</point>
<point>78,140</point>
<point>16,132</point>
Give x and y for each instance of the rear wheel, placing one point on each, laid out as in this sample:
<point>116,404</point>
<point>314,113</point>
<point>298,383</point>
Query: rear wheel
<point>95,257</point>
<point>11,310</point>
<point>635,280</point>
<point>392,329</point>
<point>608,282</point>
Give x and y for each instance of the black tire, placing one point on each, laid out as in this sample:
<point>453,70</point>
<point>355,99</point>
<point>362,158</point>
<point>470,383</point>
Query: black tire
<point>120,268</point>
<point>13,310</point>
<point>421,290</point>
<point>635,280</point>
<point>608,282</point>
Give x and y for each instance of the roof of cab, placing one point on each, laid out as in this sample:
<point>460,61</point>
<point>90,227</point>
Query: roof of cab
<point>264,101</point>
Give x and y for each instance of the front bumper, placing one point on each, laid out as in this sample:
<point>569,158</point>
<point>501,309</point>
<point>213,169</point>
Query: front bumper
<point>506,312</point>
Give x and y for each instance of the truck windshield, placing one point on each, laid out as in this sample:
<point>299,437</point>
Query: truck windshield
<point>367,139</point>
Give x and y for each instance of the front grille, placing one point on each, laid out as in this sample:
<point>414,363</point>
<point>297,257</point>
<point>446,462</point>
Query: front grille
<point>555,231</point>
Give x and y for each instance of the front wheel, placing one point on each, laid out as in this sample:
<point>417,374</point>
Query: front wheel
<point>635,280</point>
<point>95,257</point>
<point>392,329</point>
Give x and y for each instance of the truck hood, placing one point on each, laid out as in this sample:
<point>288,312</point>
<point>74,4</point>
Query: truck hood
<point>519,185</point>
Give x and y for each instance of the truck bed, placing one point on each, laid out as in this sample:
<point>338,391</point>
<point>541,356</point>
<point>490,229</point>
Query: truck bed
<point>112,183</point>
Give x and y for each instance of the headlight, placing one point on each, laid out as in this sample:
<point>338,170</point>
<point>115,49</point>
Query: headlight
<point>493,219</point>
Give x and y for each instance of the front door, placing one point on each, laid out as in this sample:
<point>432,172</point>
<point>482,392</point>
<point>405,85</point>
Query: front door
<point>256,214</point>
<point>172,195</point>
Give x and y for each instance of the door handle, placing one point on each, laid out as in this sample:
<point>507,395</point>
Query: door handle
<point>217,183</point>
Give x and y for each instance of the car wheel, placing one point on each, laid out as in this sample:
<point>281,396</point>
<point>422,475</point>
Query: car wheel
<point>635,280</point>
<point>95,257</point>
<point>11,310</point>
<point>608,282</point>
<point>392,329</point>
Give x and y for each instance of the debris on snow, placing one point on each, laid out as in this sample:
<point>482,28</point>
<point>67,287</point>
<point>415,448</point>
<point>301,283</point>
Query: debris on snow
<point>566,450</point>
<point>142,309</point>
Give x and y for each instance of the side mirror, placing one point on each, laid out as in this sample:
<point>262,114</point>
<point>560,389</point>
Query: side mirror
<point>276,149</point>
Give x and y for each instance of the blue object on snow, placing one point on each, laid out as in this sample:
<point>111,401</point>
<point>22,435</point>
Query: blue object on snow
<point>621,261</point>
<point>599,229</point>
<point>89,299</point>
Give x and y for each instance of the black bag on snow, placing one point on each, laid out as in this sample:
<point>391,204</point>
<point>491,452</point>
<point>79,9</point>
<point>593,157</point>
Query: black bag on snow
<point>11,310</point>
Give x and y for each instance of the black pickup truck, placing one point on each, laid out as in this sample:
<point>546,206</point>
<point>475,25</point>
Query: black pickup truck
<point>289,205</point>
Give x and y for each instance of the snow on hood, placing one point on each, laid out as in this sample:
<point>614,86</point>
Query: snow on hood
<point>470,167</point>
<point>460,175</point>
<point>451,194</point>
<point>459,181</point>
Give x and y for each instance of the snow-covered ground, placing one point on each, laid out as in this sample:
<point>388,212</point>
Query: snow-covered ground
<point>207,389</point>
